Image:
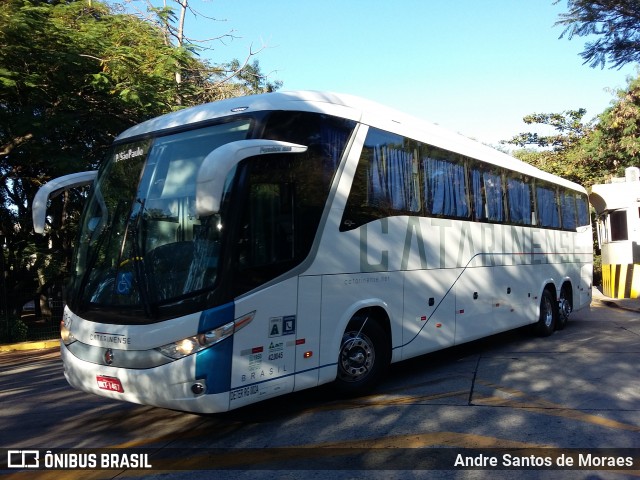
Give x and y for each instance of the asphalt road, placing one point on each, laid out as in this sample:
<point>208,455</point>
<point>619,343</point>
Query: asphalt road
<point>570,393</point>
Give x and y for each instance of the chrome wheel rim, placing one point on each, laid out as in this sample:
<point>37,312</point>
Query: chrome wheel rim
<point>357,357</point>
<point>565,308</point>
<point>547,312</point>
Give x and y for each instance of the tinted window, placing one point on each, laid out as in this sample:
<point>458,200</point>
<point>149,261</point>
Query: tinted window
<point>488,195</point>
<point>400,176</point>
<point>547,211</point>
<point>583,209</point>
<point>445,184</point>
<point>386,181</point>
<point>568,209</point>
<point>519,199</point>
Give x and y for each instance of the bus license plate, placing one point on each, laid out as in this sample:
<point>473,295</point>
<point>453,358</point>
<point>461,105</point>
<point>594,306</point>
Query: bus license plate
<point>109,383</point>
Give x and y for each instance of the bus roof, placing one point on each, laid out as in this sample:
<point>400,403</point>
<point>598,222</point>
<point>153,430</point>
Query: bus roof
<point>350,107</point>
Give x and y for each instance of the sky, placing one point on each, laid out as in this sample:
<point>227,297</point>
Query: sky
<point>476,67</point>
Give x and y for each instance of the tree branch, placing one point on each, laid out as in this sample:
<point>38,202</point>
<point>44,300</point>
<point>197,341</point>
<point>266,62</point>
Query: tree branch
<point>8,147</point>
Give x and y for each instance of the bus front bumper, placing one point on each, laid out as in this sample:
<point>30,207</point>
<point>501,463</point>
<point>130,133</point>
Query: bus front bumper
<point>172,385</point>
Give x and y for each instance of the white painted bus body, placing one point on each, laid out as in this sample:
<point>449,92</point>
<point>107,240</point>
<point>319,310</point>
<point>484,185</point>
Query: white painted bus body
<point>440,281</point>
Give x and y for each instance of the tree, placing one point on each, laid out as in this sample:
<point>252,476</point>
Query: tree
<point>74,74</point>
<point>614,144</point>
<point>222,80</point>
<point>616,23</point>
<point>551,152</point>
<point>587,152</point>
<point>71,77</point>
<point>568,124</point>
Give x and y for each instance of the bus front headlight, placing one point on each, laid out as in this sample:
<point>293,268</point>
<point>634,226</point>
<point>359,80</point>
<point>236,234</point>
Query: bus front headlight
<point>190,345</point>
<point>65,332</point>
<point>181,348</point>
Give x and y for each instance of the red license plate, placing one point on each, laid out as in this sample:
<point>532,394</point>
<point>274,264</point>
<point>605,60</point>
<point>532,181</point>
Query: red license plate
<point>109,383</point>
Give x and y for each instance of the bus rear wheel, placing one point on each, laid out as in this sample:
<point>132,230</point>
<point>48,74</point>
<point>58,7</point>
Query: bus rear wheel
<point>546,323</point>
<point>564,307</point>
<point>364,357</point>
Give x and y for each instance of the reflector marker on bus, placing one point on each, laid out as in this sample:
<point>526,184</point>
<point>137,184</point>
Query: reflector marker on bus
<point>251,351</point>
<point>243,321</point>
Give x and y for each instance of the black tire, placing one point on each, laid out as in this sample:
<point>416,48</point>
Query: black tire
<point>565,306</point>
<point>364,357</point>
<point>546,323</point>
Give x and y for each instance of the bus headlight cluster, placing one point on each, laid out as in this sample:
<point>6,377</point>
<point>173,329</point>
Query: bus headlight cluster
<point>65,332</point>
<point>190,345</point>
<point>181,348</point>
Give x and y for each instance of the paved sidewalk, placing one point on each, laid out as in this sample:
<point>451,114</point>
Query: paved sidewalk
<point>632,304</point>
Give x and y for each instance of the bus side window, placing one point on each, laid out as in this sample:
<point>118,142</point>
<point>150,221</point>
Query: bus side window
<point>583,209</point>
<point>445,184</point>
<point>519,196</point>
<point>547,205</point>
<point>487,194</point>
<point>386,181</point>
<point>568,210</point>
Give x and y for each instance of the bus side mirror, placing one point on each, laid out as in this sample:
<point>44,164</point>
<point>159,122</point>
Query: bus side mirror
<point>54,188</point>
<point>220,162</point>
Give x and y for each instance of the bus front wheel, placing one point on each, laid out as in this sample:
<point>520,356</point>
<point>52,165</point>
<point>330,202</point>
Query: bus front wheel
<point>364,357</point>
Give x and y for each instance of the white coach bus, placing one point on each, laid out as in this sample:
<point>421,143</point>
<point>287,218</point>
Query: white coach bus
<point>255,246</point>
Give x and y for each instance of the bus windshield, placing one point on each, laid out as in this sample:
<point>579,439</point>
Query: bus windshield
<point>141,243</point>
<point>144,254</point>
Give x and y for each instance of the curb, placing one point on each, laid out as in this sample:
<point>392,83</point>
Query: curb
<point>25,346</point>
<point>630,305</point>
<point>612,304</point>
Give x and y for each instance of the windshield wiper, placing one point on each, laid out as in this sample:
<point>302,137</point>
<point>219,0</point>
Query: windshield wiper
<point>139,270</point>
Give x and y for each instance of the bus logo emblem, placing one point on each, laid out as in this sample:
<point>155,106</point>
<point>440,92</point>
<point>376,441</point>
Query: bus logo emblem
<point>108,356</point>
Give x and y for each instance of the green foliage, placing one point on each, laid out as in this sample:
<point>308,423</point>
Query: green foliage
<point>15,331</point>
<point>615,142</point>
<point>587,153</point>
<point>72,77</point>
<point>568,124</point>
<point>550,152</point>
<point>74,74</point>
<point>614,24</point>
